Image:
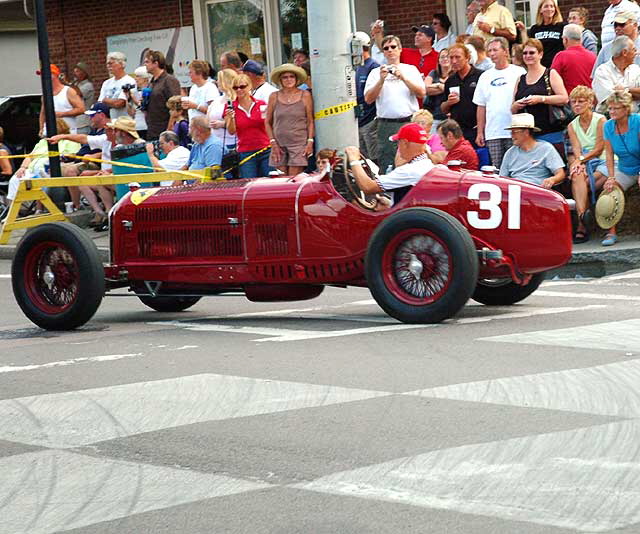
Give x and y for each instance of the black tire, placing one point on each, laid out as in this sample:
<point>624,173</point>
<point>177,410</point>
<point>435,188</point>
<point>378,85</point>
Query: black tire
<point>432,242</point>
<point>505,293</point>
<point>57,276</point>
<point>169,304</point>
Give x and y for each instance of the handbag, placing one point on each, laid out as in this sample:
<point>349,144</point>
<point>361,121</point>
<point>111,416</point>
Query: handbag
<point>559,116</point>
<point>230,161</point>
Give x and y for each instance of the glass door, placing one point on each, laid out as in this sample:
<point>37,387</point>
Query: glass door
<point>236,25</point>
<point>293,27</point>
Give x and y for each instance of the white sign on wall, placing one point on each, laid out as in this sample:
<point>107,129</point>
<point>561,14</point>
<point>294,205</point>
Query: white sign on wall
<point>176,44</point>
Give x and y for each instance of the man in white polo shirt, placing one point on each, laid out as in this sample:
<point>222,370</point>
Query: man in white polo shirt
<point>176,156</point>
<point>398,90</point>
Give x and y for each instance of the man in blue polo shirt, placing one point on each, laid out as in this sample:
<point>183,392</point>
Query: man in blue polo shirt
<point>207,148</point>
<point>367,124</point>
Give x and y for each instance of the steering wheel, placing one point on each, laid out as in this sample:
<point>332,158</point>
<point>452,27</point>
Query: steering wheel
<point>353,191</point>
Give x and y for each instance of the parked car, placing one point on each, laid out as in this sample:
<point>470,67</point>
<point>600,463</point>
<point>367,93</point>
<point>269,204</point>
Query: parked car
<point>19,118</point>
<point>455,235</point>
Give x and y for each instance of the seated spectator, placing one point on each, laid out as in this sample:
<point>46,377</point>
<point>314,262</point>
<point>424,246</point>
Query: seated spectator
<point>33,166</point>
<point>483,62</point>
<point>202,92</point>
<point>6,168</point>
<point>445,37</point>
<point>437,152</point>
<point>99,117</point>
<point>423,56</point>
<point>575,62</point>
<point>458,148</point>
<point>619,73</point>
<point>176,156</point>
<point>621,139</point>
<point>434,85</point>
<point>579,16</point>
<point>207,148</point>
<point>625,24</point>
<point>178,120</point>
<point>587,170</point>
<point>529,160</point>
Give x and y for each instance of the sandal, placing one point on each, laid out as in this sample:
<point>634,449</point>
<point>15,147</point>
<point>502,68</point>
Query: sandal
<point>587,218</point>
<point>609,239</point>
<point>580,237</point>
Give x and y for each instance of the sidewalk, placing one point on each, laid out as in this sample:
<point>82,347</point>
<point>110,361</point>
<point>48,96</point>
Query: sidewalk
<point>589,259</point>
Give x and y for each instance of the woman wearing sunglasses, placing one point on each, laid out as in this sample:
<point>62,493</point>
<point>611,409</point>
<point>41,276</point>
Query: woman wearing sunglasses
<point>245,118</point>
<point>536,91</point>
<point>289,120</point>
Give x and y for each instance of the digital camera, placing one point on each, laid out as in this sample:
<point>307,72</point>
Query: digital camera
<point>128,86</point>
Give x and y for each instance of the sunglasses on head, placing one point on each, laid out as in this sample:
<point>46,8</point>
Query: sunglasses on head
<point>390,47</point>
<point>236,87</point>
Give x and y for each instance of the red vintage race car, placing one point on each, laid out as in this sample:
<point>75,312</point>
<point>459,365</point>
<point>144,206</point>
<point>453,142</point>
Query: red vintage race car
<point>455,235</point>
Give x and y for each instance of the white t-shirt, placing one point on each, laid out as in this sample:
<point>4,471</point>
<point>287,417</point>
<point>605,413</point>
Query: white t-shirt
<point>263,92</point>
<point>608,33</point>
<point>407,174</point>
<point>175,160</point>
<point>214,113</point>
<point>202,95</point>
<point>395,100</point>
<point>101,142</point>
<point>112,88</point>
<point>495,92</point>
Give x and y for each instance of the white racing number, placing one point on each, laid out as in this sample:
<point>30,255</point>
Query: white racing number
<point>491,206</point>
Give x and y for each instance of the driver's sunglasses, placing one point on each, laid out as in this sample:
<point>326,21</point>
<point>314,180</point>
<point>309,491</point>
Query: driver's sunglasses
<point>243,86</point>
<point>390,47</point>
<point>619,24</point>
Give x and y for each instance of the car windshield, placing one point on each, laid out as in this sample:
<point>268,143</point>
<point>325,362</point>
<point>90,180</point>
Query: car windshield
<point>3,101</point>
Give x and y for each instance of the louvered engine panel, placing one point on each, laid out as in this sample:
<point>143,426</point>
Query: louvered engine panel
<point>190,242</point>
<point>271,239</point>
<point>210,213</point>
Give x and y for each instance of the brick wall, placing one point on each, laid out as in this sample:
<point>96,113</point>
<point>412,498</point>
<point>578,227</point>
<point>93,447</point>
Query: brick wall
<point>400,15</point>
<point>78,29</point>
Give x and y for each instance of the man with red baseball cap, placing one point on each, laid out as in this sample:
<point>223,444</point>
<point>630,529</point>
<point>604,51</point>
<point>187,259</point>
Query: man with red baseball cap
<point>411,139</point>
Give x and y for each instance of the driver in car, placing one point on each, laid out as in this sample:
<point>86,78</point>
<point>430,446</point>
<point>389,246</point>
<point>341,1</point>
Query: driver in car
<point>412,139</point>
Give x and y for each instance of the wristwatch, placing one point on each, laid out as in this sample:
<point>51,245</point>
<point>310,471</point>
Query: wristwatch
<point>356,162</point>
<point>581,158</point>
<point>493,29</point>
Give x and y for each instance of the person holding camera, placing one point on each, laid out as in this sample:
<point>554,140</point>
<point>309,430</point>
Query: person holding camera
<point>135,100</point>
<point>111,92</point>
<point>396,88</point>
<point>176,156</point>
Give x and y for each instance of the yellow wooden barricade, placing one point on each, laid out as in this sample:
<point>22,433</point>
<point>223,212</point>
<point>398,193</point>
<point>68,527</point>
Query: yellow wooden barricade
<point>30,190</point>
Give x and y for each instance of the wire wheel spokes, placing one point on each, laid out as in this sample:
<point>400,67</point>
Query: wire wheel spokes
<point>52,276</point>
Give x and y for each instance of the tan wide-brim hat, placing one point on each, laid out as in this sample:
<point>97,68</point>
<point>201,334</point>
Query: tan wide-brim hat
<point>126,124</point>
<point>609,208</point>
<point>523,120</point>
<point>301,75</point>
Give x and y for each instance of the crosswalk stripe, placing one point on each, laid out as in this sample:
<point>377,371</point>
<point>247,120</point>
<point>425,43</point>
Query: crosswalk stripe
<point>51,491</point>
<point>78,418</point>
<point>585,479</point>
<point>64,363</point>
<point>610,389</point>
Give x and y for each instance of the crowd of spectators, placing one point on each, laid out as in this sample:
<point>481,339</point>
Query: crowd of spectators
<point>531,102</point>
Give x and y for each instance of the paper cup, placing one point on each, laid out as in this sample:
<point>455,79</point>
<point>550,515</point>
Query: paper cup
<point>68,207</point>
<point>455,90</point>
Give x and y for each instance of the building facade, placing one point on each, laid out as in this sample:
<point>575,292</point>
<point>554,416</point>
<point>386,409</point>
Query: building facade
<point>264,29</point>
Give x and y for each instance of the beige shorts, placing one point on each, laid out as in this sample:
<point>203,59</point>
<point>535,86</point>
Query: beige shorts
<point>291,157</point>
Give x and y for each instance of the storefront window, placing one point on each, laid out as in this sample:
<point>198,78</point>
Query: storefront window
<point>236,25</point>
<point>293,25</point>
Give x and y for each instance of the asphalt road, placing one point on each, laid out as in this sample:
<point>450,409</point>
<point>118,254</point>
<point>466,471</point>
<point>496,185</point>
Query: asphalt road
<point>325,416</point>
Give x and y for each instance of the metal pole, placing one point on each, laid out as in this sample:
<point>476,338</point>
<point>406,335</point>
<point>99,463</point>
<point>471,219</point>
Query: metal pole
<point>47,86</point>
<point>333,74</point>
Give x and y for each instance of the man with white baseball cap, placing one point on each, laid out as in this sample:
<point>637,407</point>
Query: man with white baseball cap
<point>411,139</point>
<point>529,160</point>
<point>616,7</point>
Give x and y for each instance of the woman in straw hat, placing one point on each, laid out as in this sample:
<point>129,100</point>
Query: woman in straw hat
<point>621,139</point>
<point>289,120</point>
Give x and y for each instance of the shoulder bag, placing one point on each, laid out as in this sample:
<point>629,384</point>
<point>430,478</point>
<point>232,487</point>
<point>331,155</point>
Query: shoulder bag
<point>559,116</point>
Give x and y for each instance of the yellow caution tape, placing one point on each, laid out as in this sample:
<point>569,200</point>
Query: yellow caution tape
<point>335,110</point>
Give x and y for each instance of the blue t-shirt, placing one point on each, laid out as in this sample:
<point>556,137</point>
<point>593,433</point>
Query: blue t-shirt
<point>206,154</point>
<point>368,111</point>
<point>532,166</point>
<point>627,145</point>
